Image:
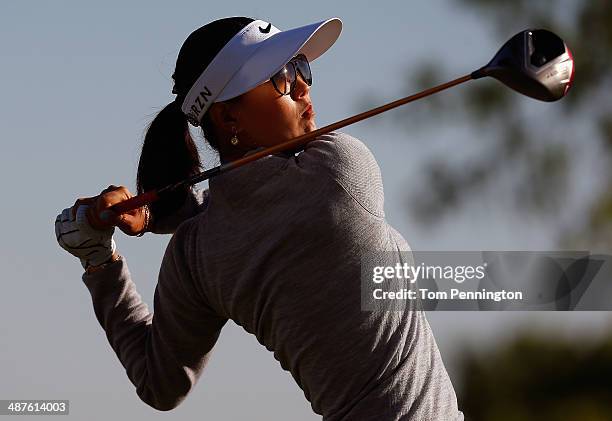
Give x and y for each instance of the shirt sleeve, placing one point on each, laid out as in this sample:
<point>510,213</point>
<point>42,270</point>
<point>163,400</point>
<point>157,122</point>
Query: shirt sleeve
<point>350,163</point>
<point>196,202</point>
<point>165,352</point>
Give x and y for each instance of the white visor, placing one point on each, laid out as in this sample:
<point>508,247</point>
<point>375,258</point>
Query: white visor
<point>252,57</point>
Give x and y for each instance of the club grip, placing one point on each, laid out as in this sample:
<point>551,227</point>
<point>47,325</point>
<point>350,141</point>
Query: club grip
<point>135,202</point>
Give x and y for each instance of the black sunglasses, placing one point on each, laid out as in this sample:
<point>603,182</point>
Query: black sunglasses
<point>284,80</point>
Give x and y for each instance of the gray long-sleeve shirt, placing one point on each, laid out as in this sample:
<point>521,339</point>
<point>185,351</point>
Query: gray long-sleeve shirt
<point>275,246</point>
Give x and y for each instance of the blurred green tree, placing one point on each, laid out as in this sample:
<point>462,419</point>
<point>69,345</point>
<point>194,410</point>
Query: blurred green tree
<point>538,378</point>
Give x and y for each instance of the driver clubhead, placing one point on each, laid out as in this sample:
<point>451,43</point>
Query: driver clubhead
<point>534,62</point>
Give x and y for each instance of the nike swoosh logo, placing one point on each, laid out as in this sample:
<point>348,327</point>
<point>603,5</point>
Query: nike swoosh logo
<point>266,30</point>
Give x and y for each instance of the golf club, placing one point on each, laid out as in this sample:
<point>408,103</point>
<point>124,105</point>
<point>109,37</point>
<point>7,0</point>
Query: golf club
<point>535,62</point>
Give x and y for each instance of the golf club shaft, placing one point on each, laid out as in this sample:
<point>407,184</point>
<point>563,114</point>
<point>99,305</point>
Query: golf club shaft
<point>153,195</point>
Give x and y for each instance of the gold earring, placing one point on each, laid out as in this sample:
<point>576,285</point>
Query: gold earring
<point>234,140</point>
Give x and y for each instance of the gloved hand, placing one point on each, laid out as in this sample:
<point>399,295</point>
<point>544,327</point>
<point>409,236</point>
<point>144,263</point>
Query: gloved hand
<point>75,235</point>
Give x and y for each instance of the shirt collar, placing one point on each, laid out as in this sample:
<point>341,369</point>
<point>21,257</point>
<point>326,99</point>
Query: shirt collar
<point>236,185</point>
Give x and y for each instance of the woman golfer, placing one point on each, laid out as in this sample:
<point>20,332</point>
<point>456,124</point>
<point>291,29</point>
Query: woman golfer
<point>275,245</point>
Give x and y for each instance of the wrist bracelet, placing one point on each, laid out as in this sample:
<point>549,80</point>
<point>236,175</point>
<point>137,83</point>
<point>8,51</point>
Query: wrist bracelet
<point>147,212</point>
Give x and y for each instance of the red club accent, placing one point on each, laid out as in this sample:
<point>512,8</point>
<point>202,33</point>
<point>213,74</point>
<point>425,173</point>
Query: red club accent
<point>571,81</point>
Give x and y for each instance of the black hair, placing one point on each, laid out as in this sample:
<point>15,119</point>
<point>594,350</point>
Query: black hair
<point>169,153</point>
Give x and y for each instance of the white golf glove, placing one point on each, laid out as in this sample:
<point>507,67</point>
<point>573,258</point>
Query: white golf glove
<point>93,247</point>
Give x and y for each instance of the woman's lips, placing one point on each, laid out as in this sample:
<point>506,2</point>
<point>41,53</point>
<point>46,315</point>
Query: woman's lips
<point>309,112</point>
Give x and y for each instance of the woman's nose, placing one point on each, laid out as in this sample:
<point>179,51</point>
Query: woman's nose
<point>301,88</point>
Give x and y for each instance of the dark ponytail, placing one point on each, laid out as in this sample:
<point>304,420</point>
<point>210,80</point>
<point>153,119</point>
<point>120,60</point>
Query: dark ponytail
<point>169,153</point>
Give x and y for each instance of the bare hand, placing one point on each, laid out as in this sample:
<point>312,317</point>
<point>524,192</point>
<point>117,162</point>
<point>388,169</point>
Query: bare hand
<point>131,222</point>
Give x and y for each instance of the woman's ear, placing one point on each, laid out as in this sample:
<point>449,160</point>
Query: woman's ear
<point>223,116</point>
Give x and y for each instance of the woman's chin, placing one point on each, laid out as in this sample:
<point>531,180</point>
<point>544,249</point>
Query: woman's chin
<point>310,126</point>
